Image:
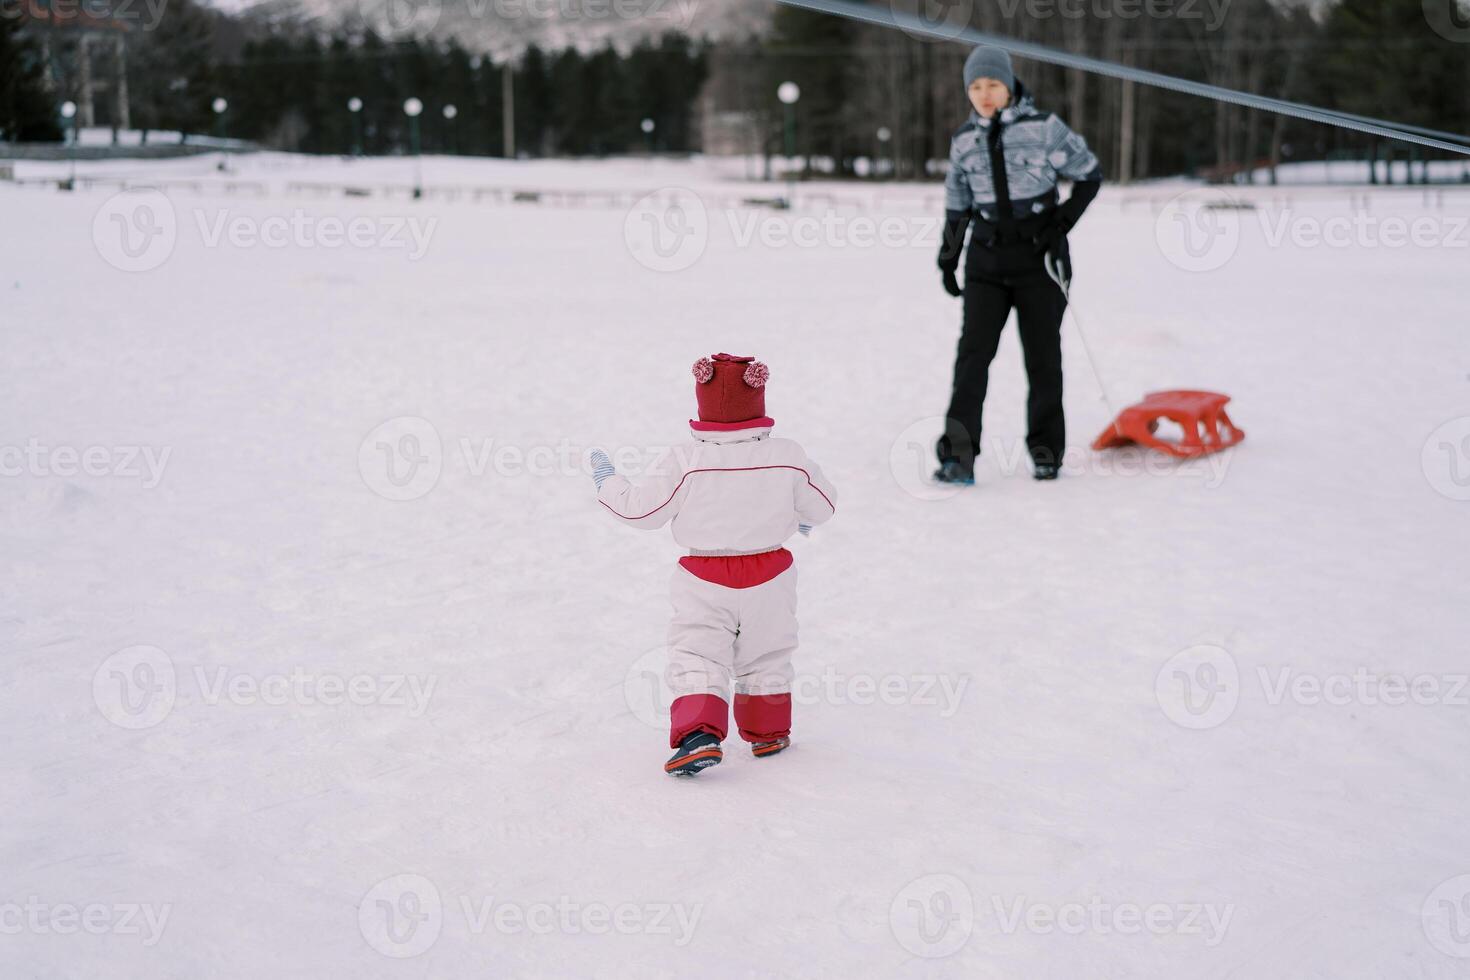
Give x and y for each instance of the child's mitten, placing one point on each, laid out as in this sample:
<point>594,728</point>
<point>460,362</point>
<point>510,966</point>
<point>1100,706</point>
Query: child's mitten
<point>602,467</point>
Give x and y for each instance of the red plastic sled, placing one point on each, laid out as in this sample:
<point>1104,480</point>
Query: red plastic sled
<point>1201,414</point>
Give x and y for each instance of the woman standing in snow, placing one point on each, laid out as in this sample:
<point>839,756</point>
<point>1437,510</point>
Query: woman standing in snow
<point>1003,168</point>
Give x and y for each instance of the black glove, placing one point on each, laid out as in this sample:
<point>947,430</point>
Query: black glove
<point>951,284</point>
<point>1052,234</point>
<point>1058,260</point>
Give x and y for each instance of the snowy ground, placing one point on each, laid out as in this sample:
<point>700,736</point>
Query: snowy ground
<point>319,659</point>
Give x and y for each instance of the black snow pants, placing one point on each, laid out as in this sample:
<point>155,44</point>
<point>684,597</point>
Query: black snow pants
<point>999,278</point>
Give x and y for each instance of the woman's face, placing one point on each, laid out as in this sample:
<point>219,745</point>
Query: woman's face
<point>989,96</point>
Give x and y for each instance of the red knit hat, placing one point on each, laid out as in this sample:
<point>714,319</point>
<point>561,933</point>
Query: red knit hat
<point>730,389</point>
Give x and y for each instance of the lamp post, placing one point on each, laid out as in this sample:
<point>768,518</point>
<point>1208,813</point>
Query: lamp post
<point>412,108</point>
<point>884,135</point>
<point>450,112</point>
<point>354,109</point>
<point>788,93</point>
<point>647,125</point>
<point>220,107</point>
<point>69,113</point>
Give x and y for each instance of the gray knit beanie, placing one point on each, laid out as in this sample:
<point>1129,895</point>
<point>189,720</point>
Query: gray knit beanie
<point>988,61</point>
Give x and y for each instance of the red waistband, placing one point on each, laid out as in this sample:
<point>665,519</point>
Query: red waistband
<point>738,571</point>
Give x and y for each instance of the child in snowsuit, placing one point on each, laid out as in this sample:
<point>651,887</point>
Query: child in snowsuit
<point>733,495</point>
<point>1003,168</point>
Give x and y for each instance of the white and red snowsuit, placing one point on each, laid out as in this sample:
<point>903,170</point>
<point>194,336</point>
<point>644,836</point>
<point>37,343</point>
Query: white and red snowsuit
<point>733,495</point>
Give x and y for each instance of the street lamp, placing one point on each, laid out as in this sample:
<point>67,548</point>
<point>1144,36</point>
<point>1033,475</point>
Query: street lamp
<point>788,93</point>
<point>647,125</point>
<point>412,108</point>
<point>884,135</point>
<point>220,106</point>
<point>69,113</point>
<point>450,112</point>
<point>354,109</point>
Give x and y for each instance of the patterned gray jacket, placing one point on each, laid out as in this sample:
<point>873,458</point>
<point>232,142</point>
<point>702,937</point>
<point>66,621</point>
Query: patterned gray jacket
<point>1038,149</point>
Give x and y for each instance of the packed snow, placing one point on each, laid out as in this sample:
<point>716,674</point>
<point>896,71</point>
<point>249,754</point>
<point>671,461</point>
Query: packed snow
<point>321,660</point>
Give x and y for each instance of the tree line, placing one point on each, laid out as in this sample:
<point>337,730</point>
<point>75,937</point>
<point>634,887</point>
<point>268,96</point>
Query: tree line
<point>867,93</point>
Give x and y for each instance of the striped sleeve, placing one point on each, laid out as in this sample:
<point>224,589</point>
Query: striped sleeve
<point>1068,154</point>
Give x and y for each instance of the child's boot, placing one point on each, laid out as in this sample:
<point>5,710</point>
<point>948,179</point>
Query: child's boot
<point>697,752</point>
<point>760,749</point>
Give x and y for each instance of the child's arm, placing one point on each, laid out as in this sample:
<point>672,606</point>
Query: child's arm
<point>816,501</point>
<point>650,505</point>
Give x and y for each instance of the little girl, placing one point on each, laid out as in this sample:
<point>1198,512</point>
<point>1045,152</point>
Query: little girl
<point>734,495</point>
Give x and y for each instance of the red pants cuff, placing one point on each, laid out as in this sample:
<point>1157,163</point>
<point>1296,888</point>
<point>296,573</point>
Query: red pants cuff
<point>763,717</point>
<point>698,713</point>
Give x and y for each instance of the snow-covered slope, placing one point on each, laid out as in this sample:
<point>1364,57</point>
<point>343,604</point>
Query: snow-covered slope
<point>320,660</point>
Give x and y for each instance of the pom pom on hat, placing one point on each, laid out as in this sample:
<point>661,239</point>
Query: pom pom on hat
<point>757,374</point>
<point>704,369</point>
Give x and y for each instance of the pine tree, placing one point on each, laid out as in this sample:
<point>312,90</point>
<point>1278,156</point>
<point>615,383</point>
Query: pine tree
<point>26,112</point>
